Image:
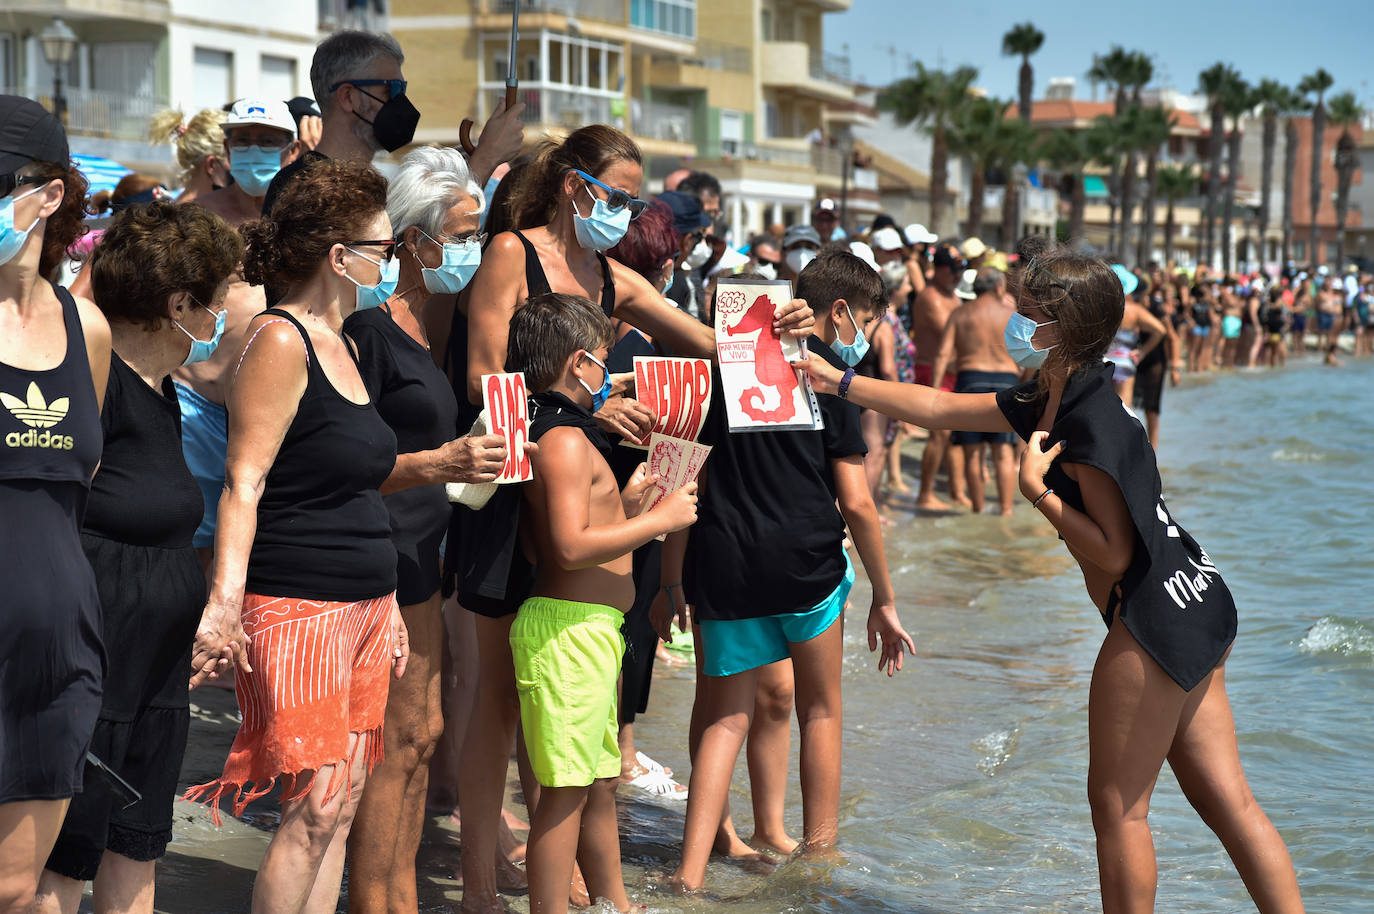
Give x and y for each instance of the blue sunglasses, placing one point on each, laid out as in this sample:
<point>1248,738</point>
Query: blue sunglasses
<point>617,199</point>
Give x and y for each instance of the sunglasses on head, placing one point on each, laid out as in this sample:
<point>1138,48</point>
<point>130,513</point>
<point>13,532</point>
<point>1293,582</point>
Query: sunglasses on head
<point>616,199</point>
<point>11,182</point>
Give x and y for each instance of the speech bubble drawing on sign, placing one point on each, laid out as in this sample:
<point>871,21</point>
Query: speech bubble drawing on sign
<point>506,401</point>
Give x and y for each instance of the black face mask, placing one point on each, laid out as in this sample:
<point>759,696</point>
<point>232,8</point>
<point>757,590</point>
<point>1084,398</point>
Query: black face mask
<point>394,123</point>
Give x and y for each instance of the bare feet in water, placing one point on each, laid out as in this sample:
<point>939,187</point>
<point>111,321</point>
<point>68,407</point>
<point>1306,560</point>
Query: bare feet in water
<point>780,844</point>
<point>931,503</point>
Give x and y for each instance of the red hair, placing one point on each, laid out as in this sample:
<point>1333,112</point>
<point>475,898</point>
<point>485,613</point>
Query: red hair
<point>650,241</point>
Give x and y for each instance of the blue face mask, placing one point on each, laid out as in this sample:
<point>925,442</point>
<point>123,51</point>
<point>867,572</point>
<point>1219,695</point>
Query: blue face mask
<point>254,168</point>
<point>604,228</point>
<point>487,192</point>
<point>11,238</point>
<point>373,296</point>
<point>851,353</point>
<point>1017,337</point>
<point>461,260</point>
<point>599,397</point>
<point>203,349</point>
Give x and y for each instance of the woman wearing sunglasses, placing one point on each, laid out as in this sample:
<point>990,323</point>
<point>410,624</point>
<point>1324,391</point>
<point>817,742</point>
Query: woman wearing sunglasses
<point>435,207</point>
<point>575,200</point>
<point>302,593</point>
<point>54,361</point>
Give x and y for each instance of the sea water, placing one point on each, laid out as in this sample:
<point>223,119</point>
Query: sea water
<point>964,776</point>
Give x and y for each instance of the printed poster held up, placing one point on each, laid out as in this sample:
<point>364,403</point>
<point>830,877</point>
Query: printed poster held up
<point>761,388</point>
<point>507,405</point>
<point>677,462</point>
<point>678,391</point>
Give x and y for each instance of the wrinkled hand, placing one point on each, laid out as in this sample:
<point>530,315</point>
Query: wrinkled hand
<point>400,643</point>
<point>311,130</point>
<point>665,609</point>
<point>885,627</point>
<point>1035,463</point>
<point>503,136</point>
<point>627,418</point>
<point>219,642</point>
<point>473,458</point>
<point>679,509</point>
<point>825,378</point>
<point>637,489</point>
<point>795,317</point>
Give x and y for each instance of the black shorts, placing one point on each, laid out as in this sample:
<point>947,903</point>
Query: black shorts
<point>1149,386</point>
<point>641,641</point>
<point>146,752</point>
<point>983,382</point>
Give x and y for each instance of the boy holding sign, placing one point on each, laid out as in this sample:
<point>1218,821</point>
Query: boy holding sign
<point>566,639</point>
<point>768,575</point>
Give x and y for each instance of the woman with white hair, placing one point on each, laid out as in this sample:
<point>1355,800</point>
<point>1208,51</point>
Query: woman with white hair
<point>435,207</point>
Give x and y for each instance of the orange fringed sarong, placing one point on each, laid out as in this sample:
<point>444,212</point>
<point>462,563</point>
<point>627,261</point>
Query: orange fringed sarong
<point>320,673</point>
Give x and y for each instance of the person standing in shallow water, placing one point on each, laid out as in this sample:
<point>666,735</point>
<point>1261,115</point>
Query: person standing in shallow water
<point>1158,690</point>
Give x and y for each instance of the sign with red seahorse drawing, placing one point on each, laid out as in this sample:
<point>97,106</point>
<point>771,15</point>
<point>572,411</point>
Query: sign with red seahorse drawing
<point>761,388</point>
<point>507,406</point>
<point>678,391</point>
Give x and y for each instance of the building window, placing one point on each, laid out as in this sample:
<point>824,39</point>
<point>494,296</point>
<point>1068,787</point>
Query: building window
<point>1333,250</point>
<point>672,17</point>
<point>278,77</point>
<point>731,133</point>
<point>772,120</point>
<point>212,78</point>
<point>1300,251</point>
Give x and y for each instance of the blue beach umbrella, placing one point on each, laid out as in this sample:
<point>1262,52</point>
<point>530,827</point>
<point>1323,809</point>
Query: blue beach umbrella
<point>102,173</point>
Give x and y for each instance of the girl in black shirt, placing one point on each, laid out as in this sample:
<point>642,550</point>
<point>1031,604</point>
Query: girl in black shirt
<point>1158,690</point>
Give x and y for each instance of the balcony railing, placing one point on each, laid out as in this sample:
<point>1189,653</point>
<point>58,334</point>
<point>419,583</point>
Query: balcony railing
<point>714,55</point>
<point>829,67</point>
<point>557,107</point>
<point>611,10</point>
<point>95,112</point>
<point>663,121</point>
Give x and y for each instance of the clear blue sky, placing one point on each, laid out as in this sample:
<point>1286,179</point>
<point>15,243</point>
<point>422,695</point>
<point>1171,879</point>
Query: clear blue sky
<point>1265,38</point>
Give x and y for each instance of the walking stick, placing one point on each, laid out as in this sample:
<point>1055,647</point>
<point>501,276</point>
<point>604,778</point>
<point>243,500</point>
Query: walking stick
<point>512,84</point>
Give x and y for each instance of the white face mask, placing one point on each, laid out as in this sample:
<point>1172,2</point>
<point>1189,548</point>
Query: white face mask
<point>798,258</point>
<point>699,255</point>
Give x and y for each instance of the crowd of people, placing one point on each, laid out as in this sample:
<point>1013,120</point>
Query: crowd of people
<point>231,436</point>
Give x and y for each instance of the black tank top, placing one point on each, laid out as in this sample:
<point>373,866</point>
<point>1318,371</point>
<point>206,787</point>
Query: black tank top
<point>323,531</point>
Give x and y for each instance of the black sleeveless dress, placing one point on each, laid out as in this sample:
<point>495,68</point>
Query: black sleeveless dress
<point>483,555</point>
<point>415,399</point>
<point>51,660</point>
<point>143,512</point>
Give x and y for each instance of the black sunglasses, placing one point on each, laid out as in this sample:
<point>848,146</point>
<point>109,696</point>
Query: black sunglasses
<point>616,199</point>
<point>11,182</point>
<point>396,86</point>
<point>387,245</point>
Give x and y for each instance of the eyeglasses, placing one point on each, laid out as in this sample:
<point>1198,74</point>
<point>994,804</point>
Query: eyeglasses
<point>474,237</point>
<point>387,245</point>
<point>279,141</point>
<point>396,87</point>
<point>617,199</point>
<point>11,182</point>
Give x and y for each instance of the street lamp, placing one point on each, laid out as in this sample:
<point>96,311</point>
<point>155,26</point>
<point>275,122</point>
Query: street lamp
<point>59,43</point>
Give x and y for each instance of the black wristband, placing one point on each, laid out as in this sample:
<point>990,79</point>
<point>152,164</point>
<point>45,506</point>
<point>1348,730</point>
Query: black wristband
<point>842,391</point>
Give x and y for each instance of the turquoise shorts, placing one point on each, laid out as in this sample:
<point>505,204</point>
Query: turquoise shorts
<point>204,442</point>
<point>567,660</point>
<point>736,645</point>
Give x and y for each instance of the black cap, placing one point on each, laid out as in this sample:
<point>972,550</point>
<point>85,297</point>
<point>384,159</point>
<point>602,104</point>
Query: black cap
<point>29,133</point>
<point>687,214</point>
<point>945,256</point>
<point>300,107</point>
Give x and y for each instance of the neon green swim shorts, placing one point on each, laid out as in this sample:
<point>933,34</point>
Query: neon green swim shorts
<point>567,660</point>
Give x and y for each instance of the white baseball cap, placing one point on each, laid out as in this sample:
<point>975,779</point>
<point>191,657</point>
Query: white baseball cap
<point>916,234</point>
<point>886,239</point>
<point>247,111</point>
<point>965,288</point>
<point>864,253</point>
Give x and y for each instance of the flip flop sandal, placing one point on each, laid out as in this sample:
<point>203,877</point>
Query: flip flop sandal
<point>658,784</point>
<point>646,762</point>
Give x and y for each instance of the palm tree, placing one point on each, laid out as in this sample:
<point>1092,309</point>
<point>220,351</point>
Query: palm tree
<point>931,99</point>
<point>1024,39</point>
<point>1115,68</point>
<point>974,134</point>
<point>1237,99</point>
<point>1156,127</point>
<point>1139,71</point>
<point>1104,143</point>
<point>1272,97</point>
<point>1066,152</point>
<point>1212,82</point>
<point>1345,112</point>
<point>1173,183</point>
<point>1318,83</point>
<point>1295,106</point>
<point>1016,143</point>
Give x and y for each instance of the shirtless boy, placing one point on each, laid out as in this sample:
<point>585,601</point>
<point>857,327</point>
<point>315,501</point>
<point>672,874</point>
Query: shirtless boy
<point>929,314</point>
<point>973,346</point>
<point>566,639</point>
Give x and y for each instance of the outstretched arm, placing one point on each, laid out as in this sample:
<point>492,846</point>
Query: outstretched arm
<point>919,405</point>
